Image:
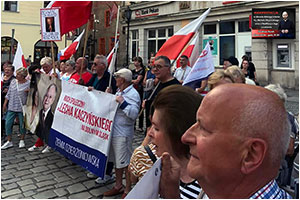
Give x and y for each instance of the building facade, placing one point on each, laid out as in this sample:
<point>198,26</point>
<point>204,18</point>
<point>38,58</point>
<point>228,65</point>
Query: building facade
<point>227,25</point>
<point>20,20</point>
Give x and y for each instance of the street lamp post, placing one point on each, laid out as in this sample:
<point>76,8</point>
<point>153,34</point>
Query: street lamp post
<point>11,44</point>
<point>128,17</point>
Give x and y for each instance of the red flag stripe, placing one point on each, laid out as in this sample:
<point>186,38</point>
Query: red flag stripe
<point>178,41</point>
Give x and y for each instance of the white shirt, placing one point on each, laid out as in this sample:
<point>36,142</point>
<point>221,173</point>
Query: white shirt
<point>181,74</point>
<point>127,113</point>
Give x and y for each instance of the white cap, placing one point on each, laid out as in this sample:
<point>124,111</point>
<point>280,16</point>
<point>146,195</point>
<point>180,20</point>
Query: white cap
<point>124,73</point>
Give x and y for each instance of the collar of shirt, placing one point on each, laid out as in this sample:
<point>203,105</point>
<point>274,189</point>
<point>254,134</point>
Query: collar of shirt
<point>46,112</point>
<point>271,191</point>
<point>124,91</point>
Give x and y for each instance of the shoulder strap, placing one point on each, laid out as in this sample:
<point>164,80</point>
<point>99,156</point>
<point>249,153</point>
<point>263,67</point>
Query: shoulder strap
<point>150,153</point>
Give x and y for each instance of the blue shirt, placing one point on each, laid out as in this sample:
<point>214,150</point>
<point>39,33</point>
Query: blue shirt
<point>127,113</point>
<point>271,191</point>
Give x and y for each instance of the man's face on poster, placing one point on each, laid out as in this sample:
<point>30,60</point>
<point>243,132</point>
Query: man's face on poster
<point>49,98</point>
<point>285,15</point>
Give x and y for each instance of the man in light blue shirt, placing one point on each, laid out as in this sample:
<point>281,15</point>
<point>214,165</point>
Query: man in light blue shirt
<point>123,130</point>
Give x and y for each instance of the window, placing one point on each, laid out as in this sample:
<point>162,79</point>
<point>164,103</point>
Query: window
<point>157,37</point>
<point>227,27</point>
<point>102,46</point>
<point>46,3</point>
<point>135,43</point>
<point>227,47</point>
<point>107,18</point>
<point>6,48</point>
<point>283,55</point>
<point>42,49</point>
<point>244,26</point>
<point>210,29</point>
<point>11,6</point>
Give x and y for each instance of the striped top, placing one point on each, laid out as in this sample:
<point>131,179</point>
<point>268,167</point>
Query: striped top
<point>13,96</point>
<point>189,190</point>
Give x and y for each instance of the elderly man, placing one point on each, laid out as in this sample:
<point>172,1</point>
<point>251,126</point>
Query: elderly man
<point>236,150</point>
<point>123,130</point>
<point>47,67</point>
<point>100,80</point>
<point>85,76</point>
<point>182,71</point>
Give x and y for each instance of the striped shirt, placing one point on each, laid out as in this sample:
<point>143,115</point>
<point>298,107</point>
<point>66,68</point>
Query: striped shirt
<point>271,191</point>
<point>13,96</point>
<point>189,190</point>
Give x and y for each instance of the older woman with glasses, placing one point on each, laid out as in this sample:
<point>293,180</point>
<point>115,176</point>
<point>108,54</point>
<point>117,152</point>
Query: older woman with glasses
<point>16,97</point>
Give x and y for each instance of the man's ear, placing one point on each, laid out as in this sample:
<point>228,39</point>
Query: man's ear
<point>254,154</point>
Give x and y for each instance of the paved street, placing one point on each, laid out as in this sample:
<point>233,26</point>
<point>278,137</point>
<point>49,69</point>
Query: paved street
<point>35,175</point>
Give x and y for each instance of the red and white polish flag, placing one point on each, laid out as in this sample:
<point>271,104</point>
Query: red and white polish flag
<point>174,45</point>
<point>203,67</point>
<point>110,57</point>
<point>70,50</point>
<point>192,51</point>
<point>19,60</point>
<point>72,14</point>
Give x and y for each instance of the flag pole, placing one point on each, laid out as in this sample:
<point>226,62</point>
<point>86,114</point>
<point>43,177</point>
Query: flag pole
<point>53,62</point>
<point>84,45</point>
<point>116,36</point>
<point>185,47</point>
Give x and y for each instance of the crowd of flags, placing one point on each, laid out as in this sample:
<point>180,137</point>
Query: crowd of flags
<point>74,14</point>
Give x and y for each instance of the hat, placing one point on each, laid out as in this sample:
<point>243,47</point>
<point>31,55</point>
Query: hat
<point>124,73</point>
<point>233,60</point>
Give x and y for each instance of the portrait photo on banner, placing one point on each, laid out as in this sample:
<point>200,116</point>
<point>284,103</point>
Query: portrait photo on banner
<point>42,98</point>
<point>50,25</point>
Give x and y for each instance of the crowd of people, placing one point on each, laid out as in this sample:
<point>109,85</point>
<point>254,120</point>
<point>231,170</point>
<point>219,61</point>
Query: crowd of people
<point>223,136</point>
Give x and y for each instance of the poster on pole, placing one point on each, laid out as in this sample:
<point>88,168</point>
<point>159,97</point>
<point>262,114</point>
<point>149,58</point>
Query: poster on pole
<point>82,126</point>
<point>50,26</point>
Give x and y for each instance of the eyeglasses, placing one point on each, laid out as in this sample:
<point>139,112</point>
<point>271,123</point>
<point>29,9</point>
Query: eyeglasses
<point>159,67</point>
<point>98,64</point>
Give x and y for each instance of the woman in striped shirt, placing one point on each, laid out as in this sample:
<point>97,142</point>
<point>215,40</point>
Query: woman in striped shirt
<point>16,97</point>
<point>173,112</point>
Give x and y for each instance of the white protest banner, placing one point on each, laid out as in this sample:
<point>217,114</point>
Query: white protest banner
<point>50,26</point>
<point>148,186</point>
<point>82,126</point>
<point>203,67</point>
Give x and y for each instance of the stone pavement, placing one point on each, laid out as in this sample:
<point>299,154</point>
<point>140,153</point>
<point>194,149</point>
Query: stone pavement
<point>33,175</point>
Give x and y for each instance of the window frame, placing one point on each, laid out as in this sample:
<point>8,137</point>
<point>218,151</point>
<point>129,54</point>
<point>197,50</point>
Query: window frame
<point>17,5</point>
<point>156,38</point>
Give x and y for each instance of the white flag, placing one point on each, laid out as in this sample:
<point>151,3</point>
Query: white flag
<point>19,60</point>
<point>203,67</point>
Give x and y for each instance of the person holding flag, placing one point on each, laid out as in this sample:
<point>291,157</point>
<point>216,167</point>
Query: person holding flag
<point>182,72</point>
<point>82,76</point>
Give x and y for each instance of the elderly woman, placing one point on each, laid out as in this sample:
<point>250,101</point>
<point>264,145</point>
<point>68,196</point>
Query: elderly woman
<point>218,78</point>
<point>16,98</point>
<point>69,70</point>
<point>172,116</point>
<point>47,68</point>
